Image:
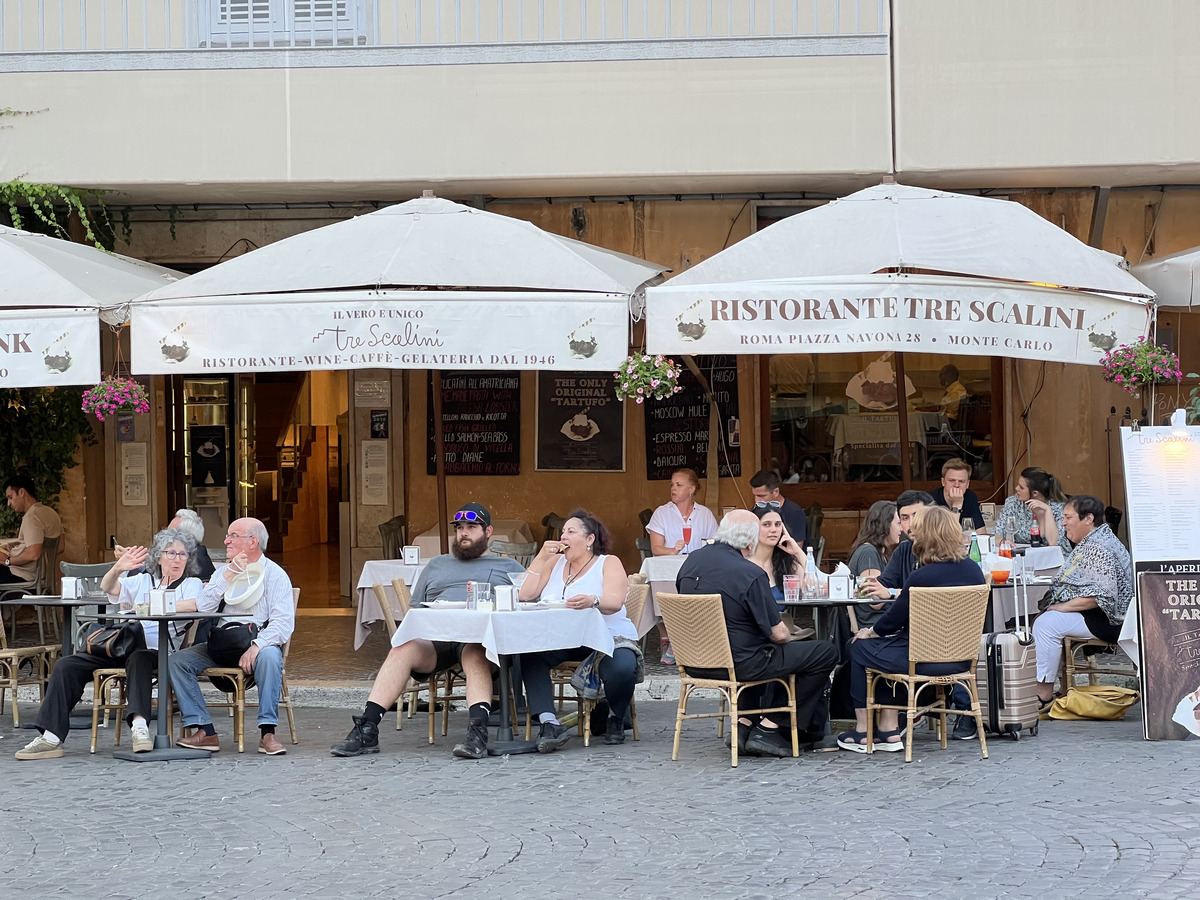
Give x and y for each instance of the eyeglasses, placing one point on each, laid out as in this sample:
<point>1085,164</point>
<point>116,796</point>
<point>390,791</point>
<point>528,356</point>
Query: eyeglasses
<point>468,515</point>
<point>234,536</point>
<point>175,554</point>
<point>773,504</point>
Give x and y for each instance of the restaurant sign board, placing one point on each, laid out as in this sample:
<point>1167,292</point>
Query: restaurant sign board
<point>508,330</point>
<point>43,350</point>
<point>920,314</point>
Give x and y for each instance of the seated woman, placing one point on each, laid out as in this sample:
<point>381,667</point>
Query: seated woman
<point>1040,496</point>
<point>577,570</point>
<point>938,547</point>
<point>877,538</point>
<point>776,554</point>
<point>1088,597</point>
<point>169,563</point>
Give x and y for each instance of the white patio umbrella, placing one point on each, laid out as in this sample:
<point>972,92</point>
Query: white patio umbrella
<point>1175,278</point>
<point>902,268</point>
<point>427,284</point>
<point>51,296</point>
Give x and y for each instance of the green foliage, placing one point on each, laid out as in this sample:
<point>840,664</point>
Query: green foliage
<point>48,208</point>
<point>40,431</point>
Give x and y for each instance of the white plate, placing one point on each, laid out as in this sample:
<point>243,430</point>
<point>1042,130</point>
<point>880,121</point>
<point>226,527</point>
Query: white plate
<point>447,604</point>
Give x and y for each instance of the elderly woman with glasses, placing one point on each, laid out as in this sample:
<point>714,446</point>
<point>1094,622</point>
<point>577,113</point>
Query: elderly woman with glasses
<point>169,563</point>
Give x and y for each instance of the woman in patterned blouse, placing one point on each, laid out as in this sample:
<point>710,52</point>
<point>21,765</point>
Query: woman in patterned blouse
<point>1038,494</point>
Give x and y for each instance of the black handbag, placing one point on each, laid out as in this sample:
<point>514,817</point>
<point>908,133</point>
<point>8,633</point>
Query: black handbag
<point>227,642</point>
<point>116,641</point>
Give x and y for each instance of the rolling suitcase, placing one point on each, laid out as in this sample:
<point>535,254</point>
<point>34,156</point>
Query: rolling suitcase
<point>1007,676</point>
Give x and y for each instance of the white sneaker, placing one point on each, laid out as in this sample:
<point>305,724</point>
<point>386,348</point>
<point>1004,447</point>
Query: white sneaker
<point>142,742</point>
<point>40,748</point>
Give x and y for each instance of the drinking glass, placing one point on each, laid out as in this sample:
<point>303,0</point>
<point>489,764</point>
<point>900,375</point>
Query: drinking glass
<point>517,579</point>
<point>791,588</point>
<point>1001,569</point>
<point>687,537</point>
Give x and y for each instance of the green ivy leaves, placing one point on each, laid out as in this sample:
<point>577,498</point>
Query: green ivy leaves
<point>52,205</point>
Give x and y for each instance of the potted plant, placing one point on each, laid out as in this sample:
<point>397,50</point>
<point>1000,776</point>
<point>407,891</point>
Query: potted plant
<point>113,394</point>
<point>1136,366</point>
<point>642,376</point>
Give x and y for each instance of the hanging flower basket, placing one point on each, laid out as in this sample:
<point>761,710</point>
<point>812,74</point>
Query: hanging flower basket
<point>642,376</point>
<point>114,394</point>
<point>1134,366</point>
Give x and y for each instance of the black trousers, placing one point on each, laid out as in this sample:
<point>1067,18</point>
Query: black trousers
<point>888,654</point>
<point>74,673</point>
<point>618,674</point>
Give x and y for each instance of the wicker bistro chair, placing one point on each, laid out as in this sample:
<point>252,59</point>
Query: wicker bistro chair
<point>42,583</point>
<point>696,623</point>
<point>11,660</point>
<point>521,552</point>
<point>1090,665</point>
<point>944,627</point>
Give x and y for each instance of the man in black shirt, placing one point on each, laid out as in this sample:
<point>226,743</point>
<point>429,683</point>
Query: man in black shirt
<point>956,494</point>
<point>758,640</point>
<point>900,565</point>
<point>765,488</point>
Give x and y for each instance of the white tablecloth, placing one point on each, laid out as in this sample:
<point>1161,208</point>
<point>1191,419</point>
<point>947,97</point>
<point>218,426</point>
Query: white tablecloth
<point>379,571</point>
<point>502,530</point>
<point>660,571</point>
<point>507,633</point>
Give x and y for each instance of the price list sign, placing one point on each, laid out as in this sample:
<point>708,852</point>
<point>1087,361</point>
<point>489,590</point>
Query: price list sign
<point>481,423</point>
<point>677,428</point>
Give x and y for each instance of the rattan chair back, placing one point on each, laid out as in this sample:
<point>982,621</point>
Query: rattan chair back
<point>696,623</point>
<point>635,600</point>
<point>944,623</point>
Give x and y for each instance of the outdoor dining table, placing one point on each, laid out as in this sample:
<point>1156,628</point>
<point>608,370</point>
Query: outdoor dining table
<point>163,750</point>
<point>660,572</point>
<point>380,571</point>
<point>503,635</point>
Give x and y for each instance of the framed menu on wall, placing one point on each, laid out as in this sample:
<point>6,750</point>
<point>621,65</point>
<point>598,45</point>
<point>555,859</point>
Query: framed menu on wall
<point>677,427</point>
<point>580,423</point>
<point>481,423</point>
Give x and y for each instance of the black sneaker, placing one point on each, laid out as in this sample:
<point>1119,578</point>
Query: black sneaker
<point>743,732</point>
<point>362,739</point>
<point>964,729</point>
<point>475,746</point>
<point>552,737</point>
<point>616,731</point>
<point>768,742</point>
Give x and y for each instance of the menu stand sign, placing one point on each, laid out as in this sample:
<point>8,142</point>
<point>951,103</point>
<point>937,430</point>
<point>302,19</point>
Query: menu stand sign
<point>481,423</point>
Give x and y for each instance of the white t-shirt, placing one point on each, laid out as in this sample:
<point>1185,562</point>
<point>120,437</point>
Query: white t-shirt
<point>668,521</point>
<point>591,582</point>
<point>138,586</point>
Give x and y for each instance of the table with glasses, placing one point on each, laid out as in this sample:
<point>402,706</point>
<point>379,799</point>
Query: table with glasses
<point>512,530</point>
<point>503,635</point>
<point>661,572</point>
<point>380,571</point>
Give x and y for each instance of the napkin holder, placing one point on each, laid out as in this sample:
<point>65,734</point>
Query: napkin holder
<point>506,597</point>
<point>70,589</point>
<point>412,555</point>
<point>158,603</point>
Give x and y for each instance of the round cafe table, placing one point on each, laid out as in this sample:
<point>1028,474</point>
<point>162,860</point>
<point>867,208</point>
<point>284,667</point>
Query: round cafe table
<point>163,750</point>
<point>67,604</point>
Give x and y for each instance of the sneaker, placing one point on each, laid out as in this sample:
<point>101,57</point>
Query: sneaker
<point>475,746</point>
<point>142,742</point>
<point>616,731</point>
<point>362,739</point>
<point>964,729</point>
<point>40,748</point>
<point>554,737</point>
<point>668,653</point>
<point>768,742</point>
<point>743,732</point>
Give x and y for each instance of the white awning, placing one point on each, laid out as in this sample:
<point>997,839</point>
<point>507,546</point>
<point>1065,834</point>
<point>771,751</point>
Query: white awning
<point>1175,278</point>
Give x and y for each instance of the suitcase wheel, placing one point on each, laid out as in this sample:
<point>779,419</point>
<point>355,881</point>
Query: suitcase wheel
<point>1033,729</point>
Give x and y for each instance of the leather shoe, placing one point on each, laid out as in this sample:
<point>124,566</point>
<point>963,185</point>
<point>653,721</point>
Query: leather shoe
<point>269,744</point>
<point>201,741</point>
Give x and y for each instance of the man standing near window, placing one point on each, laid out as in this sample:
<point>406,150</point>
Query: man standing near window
<point>38,522</point>
<point>765,487</point>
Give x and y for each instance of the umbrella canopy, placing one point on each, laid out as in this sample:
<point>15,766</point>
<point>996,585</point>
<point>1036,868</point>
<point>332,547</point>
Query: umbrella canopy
<point>1175,278</point>
<point>51,296</point>
<point>902,268</point>
<point>424,284</point>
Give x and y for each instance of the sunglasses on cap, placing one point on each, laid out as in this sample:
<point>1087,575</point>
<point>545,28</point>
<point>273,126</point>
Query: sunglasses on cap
<point>467,515</point>
<point>763,504</point>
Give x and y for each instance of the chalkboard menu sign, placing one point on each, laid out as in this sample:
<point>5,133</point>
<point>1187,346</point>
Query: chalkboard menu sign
<point>677,427</point>
<point>580,422</point>
<point>481,423</point>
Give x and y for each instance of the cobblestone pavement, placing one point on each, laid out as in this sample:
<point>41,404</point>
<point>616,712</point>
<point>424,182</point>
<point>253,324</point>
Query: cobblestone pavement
<point>1082,809</point>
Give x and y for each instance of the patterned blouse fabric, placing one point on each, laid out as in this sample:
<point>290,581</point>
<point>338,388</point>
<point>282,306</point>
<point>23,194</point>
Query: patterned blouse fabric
<point>1017,518</point>
<point>1098,567</point>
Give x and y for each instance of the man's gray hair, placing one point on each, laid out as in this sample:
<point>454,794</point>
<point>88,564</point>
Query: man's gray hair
<point>190,521</point>
<point>165,539</point>
<point>739,535</point>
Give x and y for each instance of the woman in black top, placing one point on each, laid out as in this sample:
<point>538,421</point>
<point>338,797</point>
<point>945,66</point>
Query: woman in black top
<point>938,546</point>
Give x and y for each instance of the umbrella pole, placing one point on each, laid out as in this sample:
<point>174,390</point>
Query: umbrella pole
<point>902,412</point>
<point>439,452</point>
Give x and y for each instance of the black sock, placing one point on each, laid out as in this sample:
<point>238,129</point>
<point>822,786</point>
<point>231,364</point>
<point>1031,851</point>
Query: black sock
<point>373,713</point>
<point>480,713</point>
<point>266,729</point>
<point>210,729</point>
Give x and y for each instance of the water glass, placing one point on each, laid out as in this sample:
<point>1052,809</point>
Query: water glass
<point>791,588</point>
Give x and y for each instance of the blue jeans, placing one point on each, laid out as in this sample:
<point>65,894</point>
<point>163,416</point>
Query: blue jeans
<point>186,666</point>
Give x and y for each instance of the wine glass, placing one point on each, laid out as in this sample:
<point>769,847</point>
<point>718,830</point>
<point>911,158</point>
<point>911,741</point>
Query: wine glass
<point>687,536</point>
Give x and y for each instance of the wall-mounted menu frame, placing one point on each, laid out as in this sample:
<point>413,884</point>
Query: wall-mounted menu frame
<point>580,423</point>
<point>481,423</point>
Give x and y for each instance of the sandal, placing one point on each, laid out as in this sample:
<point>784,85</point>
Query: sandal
<point>883,740</point>
<point>854,741</point>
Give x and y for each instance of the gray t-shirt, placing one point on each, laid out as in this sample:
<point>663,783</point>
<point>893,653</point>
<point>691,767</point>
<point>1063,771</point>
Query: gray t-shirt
<point>445,577</point>
<point>866,557</point>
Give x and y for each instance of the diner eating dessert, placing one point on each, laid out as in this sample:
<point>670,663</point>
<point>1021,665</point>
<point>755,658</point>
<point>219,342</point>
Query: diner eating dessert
<point>956,495</point>
<point>1089,596</point>
<point>169,563</point>
<point>264,593</point>
<point>577,570</point>
<point>937,546</point>
<point>445,577</point>
<point>1038,496</point>
<point>759,641</point>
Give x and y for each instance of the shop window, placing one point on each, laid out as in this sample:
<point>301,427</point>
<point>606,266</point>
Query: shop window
<point>273,23</point>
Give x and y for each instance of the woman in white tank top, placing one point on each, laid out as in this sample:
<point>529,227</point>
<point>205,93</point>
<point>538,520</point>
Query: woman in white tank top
<point>578,571</point>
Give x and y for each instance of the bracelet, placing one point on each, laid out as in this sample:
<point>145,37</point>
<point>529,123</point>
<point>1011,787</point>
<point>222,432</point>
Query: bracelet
<point>532,572</point>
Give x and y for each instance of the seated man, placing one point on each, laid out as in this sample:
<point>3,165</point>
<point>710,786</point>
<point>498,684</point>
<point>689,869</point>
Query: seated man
<point>1088,597</point>
<point>445,577</point>
<point>956,494</point>
<point>19,558</point>
<point>901,564</point>
<point>758,639</point>
<point>274,612</point>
